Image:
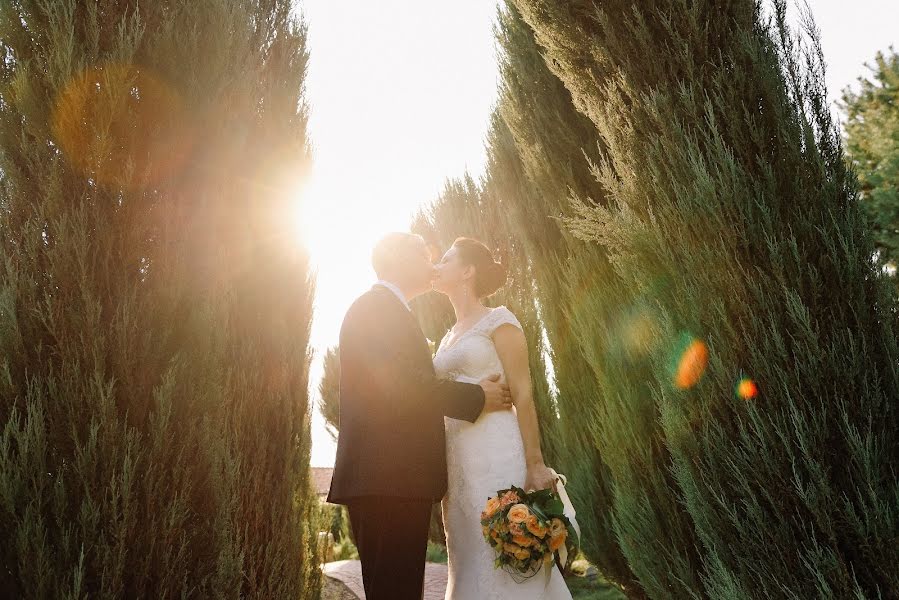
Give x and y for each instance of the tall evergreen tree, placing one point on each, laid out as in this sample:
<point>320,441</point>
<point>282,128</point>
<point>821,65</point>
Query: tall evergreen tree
<point>329,391</point>
<point>529,218</point>
<point>872,144</point>
<point>464,210</point>
<point>730,209</point>
<point>154,311</point>
<point>586,311</point>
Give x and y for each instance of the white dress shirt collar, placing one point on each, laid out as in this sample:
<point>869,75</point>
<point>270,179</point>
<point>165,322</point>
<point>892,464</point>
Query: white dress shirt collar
<point>396,290</point>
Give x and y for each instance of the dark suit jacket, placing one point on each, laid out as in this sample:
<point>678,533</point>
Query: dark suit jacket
<point>391,440</point>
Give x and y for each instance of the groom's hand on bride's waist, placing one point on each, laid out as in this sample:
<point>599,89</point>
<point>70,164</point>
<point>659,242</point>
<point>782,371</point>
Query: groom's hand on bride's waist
<point>497,396</point>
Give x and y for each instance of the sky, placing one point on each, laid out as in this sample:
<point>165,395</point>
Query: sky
<point>400,93</point>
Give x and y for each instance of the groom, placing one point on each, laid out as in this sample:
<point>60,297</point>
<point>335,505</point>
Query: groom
<point>391,459</point>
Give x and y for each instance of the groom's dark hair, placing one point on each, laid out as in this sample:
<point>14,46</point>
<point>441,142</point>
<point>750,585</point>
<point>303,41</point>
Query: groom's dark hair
<point>392,251</point>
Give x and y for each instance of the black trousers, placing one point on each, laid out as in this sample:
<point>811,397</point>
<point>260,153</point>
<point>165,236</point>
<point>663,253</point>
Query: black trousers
<point>392,539</point>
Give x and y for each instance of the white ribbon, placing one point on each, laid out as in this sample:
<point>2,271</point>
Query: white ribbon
<point>561,480</point>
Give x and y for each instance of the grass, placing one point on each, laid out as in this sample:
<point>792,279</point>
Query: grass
<point>590,588</point>
<point>582,587</point>
<point>436,553</point>
<point>596,589</point>
<point>345,550</point>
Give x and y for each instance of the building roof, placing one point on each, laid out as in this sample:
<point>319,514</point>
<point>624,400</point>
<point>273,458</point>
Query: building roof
<point>321,480</point>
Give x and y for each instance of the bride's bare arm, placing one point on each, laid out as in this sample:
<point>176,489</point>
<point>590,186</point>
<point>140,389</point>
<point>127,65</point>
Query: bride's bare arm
<point>512,348</point>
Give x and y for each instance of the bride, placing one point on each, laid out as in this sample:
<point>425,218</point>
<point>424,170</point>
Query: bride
<point>501,448</point>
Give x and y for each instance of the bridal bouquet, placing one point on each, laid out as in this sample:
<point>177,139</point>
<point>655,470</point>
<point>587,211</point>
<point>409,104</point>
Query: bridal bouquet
<point>526,530</point>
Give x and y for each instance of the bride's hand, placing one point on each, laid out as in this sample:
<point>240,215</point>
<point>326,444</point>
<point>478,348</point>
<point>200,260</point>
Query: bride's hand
<point>539,477</point>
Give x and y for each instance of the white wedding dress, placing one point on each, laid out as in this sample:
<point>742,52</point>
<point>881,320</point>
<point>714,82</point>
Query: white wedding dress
<point>483,457</point>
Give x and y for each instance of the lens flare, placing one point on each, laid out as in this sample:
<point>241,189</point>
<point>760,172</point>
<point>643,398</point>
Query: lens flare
<point>747,389</point>
<point>121,124</point>
<point>692,364</point>
<point>638,333</point>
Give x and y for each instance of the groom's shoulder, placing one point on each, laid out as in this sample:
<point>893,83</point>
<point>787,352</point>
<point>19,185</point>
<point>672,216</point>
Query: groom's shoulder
<point>370,302</point>
<point>368,315</point>
<point>376,296</point>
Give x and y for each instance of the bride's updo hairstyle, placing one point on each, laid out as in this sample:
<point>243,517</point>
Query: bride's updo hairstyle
<point>489,275</point>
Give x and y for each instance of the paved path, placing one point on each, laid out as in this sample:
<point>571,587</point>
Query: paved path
<point>349,572</point>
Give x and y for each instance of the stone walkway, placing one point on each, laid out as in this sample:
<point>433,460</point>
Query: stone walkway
<point>349,572</point>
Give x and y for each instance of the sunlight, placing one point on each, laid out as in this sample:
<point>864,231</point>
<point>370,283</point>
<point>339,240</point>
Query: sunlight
<point>384,141</point>
<point>326,223</point>
<point>339,219</point>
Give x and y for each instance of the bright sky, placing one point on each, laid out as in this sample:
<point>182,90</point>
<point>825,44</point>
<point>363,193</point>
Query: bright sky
<point>401,93</point>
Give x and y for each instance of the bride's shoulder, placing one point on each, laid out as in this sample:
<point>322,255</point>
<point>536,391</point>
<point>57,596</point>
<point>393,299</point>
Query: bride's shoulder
<point>501,316</point>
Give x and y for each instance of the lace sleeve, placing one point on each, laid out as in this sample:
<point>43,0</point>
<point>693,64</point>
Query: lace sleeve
<point>500,316</point>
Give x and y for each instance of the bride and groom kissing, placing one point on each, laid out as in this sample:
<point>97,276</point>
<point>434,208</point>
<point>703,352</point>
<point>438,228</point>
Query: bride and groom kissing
<point>417,429</point>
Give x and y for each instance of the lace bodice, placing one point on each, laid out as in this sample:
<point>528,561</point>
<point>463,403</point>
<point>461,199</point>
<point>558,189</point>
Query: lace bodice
<point>482,457</point>
<point>472,355</point>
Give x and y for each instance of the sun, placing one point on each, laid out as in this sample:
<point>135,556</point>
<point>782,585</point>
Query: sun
<point>338,227</point>
<point>331,225</point>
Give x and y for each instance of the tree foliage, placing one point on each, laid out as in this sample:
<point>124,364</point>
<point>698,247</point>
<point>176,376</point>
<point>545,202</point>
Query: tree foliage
<point>729,218</point>
<point>154,309</point>
<point>329,391</point>
<point>872,145</point>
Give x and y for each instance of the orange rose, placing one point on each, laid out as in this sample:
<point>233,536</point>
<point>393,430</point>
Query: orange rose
<point>519,513</point>
<point>521,540</point>
<point>515,529</point>
<point>492,507</point>
<point>508,498</point>
<point>557,541</point>
<point>522,554</point>
<point>556,527</point>
<point>558,533</point>
<point>510,548</point>
<point>535,527</point>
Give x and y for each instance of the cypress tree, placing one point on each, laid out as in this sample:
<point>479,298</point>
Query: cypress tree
<point>463,210</point>
<point>570,452</point>
<point>504,186</point>
<point>466,208</point>
<point>602,331</point>
<point>454,211</point>
<point>730,208</point>
<point>154,310</point>
<point>539,152</point>
<point>329,391</point>
<point>555,145</point>
<point>872,145</point>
